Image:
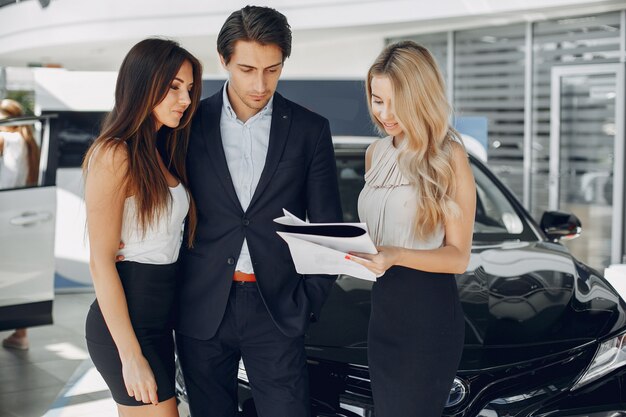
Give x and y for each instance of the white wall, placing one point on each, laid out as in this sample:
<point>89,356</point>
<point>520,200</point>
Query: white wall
<point>62,90</point>
<point>345,57</point>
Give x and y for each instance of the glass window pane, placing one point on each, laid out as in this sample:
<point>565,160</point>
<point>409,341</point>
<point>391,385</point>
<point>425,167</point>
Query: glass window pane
<point>586,154</point>
<point>74,132</point>
<point>560,42</point>
<point>350,170</point>
<point>437,44</point>
<point>489,83</point>
<point>20,149</point>
<point>494,212</point>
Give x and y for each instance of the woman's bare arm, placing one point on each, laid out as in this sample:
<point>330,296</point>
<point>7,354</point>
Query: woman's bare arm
<point>105,194</point>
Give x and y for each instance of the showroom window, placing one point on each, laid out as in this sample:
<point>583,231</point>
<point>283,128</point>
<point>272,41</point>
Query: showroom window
<point>507,75</point>
<point>574,41</point>
<point>489,84</point>
<point>437,44</point>
<point>575,130</point>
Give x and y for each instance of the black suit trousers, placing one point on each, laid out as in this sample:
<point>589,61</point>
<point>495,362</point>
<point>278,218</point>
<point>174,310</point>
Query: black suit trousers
<point>275,364</point>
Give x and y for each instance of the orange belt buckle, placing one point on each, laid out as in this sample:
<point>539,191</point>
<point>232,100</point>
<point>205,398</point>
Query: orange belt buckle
<point>243,277</point>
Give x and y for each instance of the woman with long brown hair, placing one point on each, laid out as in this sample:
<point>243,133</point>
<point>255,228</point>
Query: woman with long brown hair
<point>133,195</point>
<point>419,204</point>
<point>19,167</point>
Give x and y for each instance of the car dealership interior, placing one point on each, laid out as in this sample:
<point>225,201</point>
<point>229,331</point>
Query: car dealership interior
<point>538,90</point>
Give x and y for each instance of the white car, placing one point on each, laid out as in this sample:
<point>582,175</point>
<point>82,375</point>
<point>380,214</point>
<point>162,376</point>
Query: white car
<point>27,229</point>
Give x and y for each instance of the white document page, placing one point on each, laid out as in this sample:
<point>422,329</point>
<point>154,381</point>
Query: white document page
<point>321,248</point>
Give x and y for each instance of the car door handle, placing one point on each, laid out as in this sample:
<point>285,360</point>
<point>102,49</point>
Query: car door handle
<point>29,218</point>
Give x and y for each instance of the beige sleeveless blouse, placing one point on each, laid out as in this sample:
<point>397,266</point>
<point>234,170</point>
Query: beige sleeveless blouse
<point>387,203</point>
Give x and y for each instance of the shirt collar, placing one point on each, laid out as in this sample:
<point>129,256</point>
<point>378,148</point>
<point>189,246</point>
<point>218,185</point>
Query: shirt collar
<point>228,109</point>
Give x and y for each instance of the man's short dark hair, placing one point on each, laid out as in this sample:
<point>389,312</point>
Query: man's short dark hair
<point>258,24</point>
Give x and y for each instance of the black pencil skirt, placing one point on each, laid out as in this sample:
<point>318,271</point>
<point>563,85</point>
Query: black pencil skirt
<point>150,293</point>
<point>415,342</point>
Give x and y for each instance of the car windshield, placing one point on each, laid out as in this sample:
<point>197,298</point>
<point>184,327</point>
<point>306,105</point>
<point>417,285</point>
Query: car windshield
<point>495,214</point>
<point>497,219</point>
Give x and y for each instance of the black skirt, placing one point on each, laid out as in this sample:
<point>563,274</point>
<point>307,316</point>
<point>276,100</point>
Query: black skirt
<point>415,342</point>
<point>150,294</point>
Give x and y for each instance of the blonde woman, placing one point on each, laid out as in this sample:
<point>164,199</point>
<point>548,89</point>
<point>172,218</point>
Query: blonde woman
<point>419,204</point>
<point>19,167</point>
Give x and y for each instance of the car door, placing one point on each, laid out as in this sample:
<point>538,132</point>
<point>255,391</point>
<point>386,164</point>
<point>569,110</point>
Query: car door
<point>27,228</point>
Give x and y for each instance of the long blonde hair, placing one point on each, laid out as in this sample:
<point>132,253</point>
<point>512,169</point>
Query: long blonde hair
<point>11,108</point>
<point>423,112</point>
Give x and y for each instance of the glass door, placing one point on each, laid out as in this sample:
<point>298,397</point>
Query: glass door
<point>587,157</point>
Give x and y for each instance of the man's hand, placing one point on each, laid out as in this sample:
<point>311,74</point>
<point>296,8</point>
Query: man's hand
<point>120,258</point>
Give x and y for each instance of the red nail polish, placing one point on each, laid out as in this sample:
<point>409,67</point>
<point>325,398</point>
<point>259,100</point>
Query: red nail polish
<point>348,257</point>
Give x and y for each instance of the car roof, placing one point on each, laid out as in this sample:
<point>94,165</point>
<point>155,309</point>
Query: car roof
<point>477,152</point>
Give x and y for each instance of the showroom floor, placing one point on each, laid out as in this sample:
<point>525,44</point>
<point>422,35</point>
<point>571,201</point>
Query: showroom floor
<point>30,381</point>
<point>55,377</point>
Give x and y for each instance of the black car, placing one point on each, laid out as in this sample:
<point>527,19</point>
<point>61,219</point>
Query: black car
<point>545,334</point>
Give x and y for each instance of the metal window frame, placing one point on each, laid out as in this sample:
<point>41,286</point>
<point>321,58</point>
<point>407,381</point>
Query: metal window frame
<point>621,108</point>
<point>450,66</point>
<point>527,161</point>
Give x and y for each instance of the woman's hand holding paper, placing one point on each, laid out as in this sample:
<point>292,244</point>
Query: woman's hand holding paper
<point>386,257</point>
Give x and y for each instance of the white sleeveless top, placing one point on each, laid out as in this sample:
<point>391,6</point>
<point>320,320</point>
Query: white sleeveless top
<point>161,241</point>
<point>388,204</point>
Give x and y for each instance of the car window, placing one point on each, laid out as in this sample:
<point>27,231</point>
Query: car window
<point>494,212</point>
<point>74,132</point>
<point>20,149</point>
<point>350,170</point>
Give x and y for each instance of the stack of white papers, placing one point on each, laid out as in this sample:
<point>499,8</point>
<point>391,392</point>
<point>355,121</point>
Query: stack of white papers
<point>321,248</point>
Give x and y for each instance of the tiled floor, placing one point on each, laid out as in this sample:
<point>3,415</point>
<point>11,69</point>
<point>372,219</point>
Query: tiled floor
<point>55,377</point>
<point>31,380</point>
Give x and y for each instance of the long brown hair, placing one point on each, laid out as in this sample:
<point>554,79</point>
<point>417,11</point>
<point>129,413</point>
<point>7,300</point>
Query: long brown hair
<point>423,112</point>
<point>11,108</point>
<point>143,81</point>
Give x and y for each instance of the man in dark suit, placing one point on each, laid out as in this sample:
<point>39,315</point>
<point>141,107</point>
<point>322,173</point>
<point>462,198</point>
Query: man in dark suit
<point>251,154</point>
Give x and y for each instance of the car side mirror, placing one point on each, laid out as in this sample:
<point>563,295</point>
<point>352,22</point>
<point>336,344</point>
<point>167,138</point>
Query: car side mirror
<point>560,225</point>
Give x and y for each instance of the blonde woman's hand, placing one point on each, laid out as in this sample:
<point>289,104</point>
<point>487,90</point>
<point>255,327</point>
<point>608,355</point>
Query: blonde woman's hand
<point>139,379</point>
<point>386,257</point>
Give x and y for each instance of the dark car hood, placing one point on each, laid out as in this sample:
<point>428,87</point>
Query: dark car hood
<point>522,301</point>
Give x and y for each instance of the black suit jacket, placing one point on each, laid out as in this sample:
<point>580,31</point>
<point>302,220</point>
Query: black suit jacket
<point>299,175</point>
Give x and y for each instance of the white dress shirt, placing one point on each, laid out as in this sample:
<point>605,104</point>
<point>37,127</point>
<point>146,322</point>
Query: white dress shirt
<point>245,147</point>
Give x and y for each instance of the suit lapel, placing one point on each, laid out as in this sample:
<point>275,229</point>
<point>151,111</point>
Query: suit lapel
<point>279,131</point>
<point>213,141</point>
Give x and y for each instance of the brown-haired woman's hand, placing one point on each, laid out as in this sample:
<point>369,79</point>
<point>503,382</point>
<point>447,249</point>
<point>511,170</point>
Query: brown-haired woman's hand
<point>386,257</point>
<point>139,379</point>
